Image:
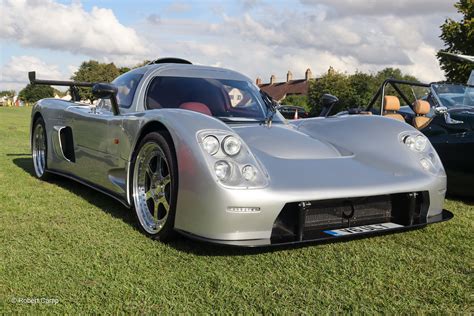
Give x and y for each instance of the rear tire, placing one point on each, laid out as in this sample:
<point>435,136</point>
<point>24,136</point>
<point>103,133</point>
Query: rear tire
<point>154,186</point>
<point>39,149</point>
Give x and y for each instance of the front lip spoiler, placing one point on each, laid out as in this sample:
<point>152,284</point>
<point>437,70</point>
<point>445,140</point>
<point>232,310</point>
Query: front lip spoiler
<point>444,216</point>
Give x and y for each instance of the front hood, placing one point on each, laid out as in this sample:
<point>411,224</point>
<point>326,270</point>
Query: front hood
<point>285,142</point>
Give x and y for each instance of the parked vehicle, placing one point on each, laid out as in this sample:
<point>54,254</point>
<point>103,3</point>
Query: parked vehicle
<point>289,111</point>
<point>444,112</point>
<point>200,151</point>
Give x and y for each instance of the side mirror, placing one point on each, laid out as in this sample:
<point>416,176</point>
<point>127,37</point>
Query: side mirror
<point>107,91</point>
<point>442,110</point>
<point>327,101</point>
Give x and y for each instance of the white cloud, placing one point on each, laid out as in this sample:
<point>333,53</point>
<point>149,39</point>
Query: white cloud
<point>383,7</point>
<point>47,24</point>
<point>14,74</point>
<point>348,35</point>
<point>273,42</point>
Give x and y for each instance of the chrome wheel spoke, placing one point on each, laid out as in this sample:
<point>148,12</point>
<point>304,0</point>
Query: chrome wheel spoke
<point>164,202</point>
<point>151,181</point>
<point>155,211</point>
<point>165,180</point>
<point>149,172</point>
<point>148,195</point>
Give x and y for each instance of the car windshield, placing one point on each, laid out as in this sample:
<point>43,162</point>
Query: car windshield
<point>452,95</point>
<point>229,100</point>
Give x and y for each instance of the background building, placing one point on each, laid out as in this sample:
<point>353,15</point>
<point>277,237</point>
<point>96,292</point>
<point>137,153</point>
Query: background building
<point>280,90</point>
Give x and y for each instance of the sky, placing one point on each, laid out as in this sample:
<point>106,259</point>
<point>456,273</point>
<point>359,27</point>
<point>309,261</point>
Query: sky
<point>255,37</point>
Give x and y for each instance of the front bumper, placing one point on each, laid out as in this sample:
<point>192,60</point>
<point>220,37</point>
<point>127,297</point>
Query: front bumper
<point>318,237</point>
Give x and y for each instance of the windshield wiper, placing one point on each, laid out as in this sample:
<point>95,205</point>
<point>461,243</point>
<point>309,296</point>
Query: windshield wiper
<point>271,109</point>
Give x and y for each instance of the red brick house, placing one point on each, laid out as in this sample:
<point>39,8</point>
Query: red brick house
<point>279,90</point>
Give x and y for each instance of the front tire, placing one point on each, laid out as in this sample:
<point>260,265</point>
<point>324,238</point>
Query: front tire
<point>154,186</point>
<point>39,149</point>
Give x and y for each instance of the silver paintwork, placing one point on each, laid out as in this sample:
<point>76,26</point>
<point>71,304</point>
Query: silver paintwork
<point>311,159</point>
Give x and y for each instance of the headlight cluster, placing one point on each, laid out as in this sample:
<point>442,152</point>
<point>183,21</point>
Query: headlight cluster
<point>231,161</point>
<point>427,156</point>
<point>416,142</point>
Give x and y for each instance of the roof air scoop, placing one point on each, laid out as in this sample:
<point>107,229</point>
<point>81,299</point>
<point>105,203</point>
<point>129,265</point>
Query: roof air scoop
<point>170,60</point>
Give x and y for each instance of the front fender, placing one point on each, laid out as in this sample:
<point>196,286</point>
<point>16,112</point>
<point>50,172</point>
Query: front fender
<point>182,125</point>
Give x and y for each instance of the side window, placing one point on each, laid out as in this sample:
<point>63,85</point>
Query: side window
<point>127,85</point>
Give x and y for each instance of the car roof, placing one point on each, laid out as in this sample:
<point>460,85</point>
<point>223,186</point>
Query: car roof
<point>187,70</point>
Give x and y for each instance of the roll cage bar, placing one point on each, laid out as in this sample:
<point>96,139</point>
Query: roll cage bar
<point>394,83</point>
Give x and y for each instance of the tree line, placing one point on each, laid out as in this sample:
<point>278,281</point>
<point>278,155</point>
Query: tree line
<point>353,90</point>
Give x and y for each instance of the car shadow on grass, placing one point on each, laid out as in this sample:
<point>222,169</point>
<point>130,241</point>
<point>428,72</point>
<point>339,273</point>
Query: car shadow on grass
<point>102,201</point>
<point>118,210</point>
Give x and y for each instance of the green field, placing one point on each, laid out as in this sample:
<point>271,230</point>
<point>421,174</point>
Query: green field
<point>65,242</point>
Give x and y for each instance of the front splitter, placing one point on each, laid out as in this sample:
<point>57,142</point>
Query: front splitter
<point>444,216</point>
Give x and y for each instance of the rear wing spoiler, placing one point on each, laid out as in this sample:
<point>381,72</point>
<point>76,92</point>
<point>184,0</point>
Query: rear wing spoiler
<point>71,84</point>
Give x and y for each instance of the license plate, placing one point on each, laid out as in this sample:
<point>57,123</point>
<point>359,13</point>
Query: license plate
<point>362,229</point>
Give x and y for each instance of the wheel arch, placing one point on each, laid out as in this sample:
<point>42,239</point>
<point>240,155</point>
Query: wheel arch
<point>36,116</point>
<point>152,126</point>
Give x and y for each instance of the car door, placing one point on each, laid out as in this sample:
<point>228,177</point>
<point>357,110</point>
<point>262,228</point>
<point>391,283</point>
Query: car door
<point>97,133</point>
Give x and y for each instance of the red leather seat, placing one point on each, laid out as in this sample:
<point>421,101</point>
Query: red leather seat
<point>197,107</point>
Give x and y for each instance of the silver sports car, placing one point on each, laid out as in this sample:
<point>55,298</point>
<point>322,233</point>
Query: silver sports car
<point>201,151</point>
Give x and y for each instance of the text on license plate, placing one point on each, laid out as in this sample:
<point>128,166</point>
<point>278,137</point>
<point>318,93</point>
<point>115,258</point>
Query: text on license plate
<point>362,229</point>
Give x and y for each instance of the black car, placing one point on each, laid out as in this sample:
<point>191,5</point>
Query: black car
<point>289,111</point>
<point>444,112</point>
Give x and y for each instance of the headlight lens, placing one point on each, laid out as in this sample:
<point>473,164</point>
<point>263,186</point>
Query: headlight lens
<point>420,143</point>
<point>231,145</point>
<point>222,169</point>
<point>425,163</point>
<point>249,173</point>
<point>427,156</point>
<point>211,144</point>
<point>416,143</point>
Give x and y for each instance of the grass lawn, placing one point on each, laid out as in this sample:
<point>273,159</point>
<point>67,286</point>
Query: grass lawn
<point>63,241</point>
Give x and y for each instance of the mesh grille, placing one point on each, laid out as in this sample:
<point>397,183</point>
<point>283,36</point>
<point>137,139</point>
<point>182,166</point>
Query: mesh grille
<point>349,212</point>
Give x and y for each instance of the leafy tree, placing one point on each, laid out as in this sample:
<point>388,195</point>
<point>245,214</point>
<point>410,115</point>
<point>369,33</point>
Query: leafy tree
<point>395,73</point>
<point>32,93</point>
<point>299,100</point>
<point>93,71</point>
<point>335,83</point>
<point>355,90</point>
<point>143,63</point>
<point>8,93</point>
<point>363,87</point>
<point>458,37</point>
<point>60,93</point>
<point>123,70</point>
